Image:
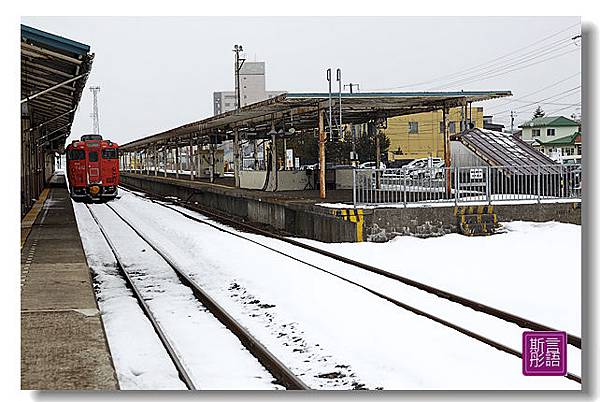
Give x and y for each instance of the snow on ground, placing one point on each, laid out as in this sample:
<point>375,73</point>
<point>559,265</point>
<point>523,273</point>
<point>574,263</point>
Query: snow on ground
<point>510,200</point>
<point>213,356</point>
<point>532,270</point>
<point>140,360</point>
<point>331,333</point>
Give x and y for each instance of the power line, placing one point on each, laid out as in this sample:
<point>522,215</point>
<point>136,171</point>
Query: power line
<point>534,92</point>
<point>515,61</point>
<point>545,99</point>
<point>470,70</point>
<point>499,72</point>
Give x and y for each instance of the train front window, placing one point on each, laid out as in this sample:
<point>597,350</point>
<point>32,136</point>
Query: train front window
<point>93,156</point>
<point>76,155</point>
<point>110,153</point>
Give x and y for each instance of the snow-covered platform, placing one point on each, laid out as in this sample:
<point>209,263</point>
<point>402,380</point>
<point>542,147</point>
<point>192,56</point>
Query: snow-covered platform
<point>63,344</point>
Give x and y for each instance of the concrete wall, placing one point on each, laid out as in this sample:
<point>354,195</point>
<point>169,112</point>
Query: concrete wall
<point>252,179</point>
<point>298,220</point>
<point>343,179</point>
<point>383,224</point>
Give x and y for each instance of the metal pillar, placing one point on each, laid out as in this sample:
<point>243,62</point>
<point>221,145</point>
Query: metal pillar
<point>447,159</point>
<point>274,161</point>
<point>377,158</point>
<point>155,156</point>
<point>165,159</point>
<point>191,158</point>
<point>322,139</point>
<point>199,159</point>
<point>236,157</point>
<point>177,161</point>
<point>255,154</point>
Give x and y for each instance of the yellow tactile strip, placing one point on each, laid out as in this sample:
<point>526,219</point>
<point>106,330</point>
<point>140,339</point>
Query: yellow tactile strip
<point>29,219</point>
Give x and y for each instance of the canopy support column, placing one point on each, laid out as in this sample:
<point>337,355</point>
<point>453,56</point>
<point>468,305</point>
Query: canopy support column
<point>322,139</point>
<point>236,157</point>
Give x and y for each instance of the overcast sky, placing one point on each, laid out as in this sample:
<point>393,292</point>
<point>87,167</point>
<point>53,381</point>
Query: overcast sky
<point>158,73</point>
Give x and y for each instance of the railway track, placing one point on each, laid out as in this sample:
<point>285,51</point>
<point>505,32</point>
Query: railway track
<point>270,362</point>
<point>514,319</point>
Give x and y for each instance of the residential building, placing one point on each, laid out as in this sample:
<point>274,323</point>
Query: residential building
<point>564,149</point>
<point>252,89</point>
<point>421,135</point>
<point>548,128</point>
<point>556,136</point>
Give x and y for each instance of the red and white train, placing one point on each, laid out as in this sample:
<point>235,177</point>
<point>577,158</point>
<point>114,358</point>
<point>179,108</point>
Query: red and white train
<point>93,168</point>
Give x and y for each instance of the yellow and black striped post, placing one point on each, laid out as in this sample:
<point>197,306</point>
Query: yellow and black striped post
<point>353,215</point>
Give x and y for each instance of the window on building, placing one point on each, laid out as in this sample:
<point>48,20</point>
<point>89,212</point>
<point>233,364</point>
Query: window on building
<point>579,149</point>
<point>452,127</point>
<point>535,132</point>
<point>413,127</point>
<point>550,132</point>
<point>441,127</point>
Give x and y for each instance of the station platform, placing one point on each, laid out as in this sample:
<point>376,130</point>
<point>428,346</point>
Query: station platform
<point>63,343</point>
<point>298,213</point>
<point>294,212</point>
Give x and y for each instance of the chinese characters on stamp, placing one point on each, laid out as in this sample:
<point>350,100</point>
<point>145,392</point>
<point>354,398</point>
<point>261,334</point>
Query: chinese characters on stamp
<point>544,353</point>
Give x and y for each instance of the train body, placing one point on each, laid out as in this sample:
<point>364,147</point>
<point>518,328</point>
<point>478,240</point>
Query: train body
<point>93,168</point>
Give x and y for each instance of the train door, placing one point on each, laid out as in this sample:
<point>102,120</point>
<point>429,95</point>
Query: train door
<point>94,162</point>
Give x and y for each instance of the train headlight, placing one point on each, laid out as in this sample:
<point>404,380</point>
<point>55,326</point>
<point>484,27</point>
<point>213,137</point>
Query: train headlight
<point>94,190</point>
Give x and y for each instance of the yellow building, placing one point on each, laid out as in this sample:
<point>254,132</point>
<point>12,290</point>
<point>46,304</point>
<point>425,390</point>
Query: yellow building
<point>421,135</point>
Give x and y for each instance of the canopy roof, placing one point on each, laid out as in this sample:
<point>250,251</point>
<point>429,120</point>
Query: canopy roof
<point>300,111</point>
<point>48,60</point>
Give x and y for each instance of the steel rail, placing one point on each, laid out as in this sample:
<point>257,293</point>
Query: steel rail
<point>183,374</point>
<point>396,302</point>
<point>283,374</point>
<point>515,319</point>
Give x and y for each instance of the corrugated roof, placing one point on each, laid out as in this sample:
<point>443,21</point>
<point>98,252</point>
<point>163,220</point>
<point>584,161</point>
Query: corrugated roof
<point>504,149</point>
<point>550,121</point>
<point>46,61</point>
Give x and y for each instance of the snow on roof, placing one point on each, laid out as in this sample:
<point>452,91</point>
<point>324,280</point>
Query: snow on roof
<point>503,149</point>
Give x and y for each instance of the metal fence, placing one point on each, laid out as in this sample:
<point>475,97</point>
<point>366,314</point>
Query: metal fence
<point>463,185</point>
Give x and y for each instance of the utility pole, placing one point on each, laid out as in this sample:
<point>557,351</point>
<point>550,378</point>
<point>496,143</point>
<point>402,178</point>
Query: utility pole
<point>339,79</point>
<point>330,106</point>
<point>236,139</point>
<point>238,66</point>
<point>512,121</point>
<point>95,117</point>
<point>351,86</point>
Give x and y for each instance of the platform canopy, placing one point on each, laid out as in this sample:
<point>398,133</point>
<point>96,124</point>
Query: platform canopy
<point>54,71</point>
<point>300,112</point>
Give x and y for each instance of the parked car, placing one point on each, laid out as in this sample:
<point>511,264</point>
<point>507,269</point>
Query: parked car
<point>425,168</point>
<point>371,165</point>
